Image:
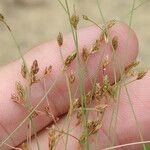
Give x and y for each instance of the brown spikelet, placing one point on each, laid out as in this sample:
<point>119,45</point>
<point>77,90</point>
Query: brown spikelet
<point>110,24</point>
<point>95,47</point>
<point>74,20</point>
<point>34,70</point>
<point>131,66</point>
<point>16,99</point>
<point>71,77</point>
<point>34,67</point>
<point>85,54</point>
<point>33,79</point>
<point>115,42</point>
<point>46,109</point>
<point>20,91</point>
<point>24,71</point>
<point>51,138</point>
<point>141,75</point>
<point>60,39</point>
<point>106,87</point>
<point>89,97</point>
<point>3,21</point>
<point>76,103</point>
<point>70,58</point>
<point>105,62</point>
<point>47,70</point>
<point>85,17</point>
<point>97,92</point>
<point>1,17</point>
<point>94,126</point>
<point>35,114</point>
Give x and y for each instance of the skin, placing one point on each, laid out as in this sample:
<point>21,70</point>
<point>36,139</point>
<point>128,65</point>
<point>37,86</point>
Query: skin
<point>48,54</point>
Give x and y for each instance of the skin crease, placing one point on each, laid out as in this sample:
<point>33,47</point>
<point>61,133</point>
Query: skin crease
<point>48,54</point>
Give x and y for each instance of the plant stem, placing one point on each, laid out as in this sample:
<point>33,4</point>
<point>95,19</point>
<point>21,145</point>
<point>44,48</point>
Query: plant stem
<point>81,75</point>
<point>100,11</point>
<point>125,145</point>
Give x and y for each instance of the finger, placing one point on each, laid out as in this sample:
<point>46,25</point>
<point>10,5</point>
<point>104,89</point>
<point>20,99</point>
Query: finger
<point>126,129</point>
<point>48,54</point>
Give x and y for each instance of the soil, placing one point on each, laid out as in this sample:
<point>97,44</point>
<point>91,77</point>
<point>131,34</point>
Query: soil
<point>36,21</point>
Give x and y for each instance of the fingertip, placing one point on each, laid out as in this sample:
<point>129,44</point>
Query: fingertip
<point>128,46</point>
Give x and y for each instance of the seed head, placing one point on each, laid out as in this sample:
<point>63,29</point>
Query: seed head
<point>141,75</point>
<point>60,39</point>
<point>85,54</point>
<point>115,42</point>
<point>34,67</point>
<point>19,97</point>
<point>33,72</point>
<point>47,70</point>
<point>33,79</point>
<point>105,62</point>
<point>71,77</point>
<point>97,92</point>
<point>95,46</point>
<point>110,24</point>
<point>85,17</point>
<point>70,58</point>
<point>16,99</point>
<point>1,17</point>
<point>74,21</point>
<point>20,91</point>
<point>51,138</point>
<point>89,97</point>
<point>24,71</point>
<point>93,126</point>
<point>76,103</point>
<point>106,84</point>
<point>131,66</point>
<point>34,114</point>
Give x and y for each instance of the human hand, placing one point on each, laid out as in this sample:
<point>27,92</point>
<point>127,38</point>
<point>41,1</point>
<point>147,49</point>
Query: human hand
<point>48,54</point>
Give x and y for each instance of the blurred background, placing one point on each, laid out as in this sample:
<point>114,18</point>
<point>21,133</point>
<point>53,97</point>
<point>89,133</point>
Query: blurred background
<point>37,21</point>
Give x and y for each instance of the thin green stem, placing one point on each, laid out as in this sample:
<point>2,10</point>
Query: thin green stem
<point>81,75</point>
<point>83,97</point>
<point>132,10</point>
<point>70,99</point>
<point>62,5</point>
<point>17,45</point>
<point>100,11</point>
<point>135,8</point>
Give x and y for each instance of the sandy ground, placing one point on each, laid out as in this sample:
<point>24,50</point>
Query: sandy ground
<point>37,21</point>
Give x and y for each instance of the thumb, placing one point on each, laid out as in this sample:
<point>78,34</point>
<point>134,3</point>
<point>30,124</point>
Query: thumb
<point>48,54</point>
